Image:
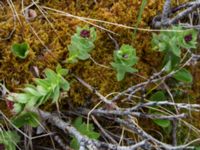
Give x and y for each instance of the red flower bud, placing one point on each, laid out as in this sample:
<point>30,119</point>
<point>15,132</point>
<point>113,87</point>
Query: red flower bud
<point>188,38</point>
<point>10,105</point>
<point>2,147</point>
<point>85,33</point>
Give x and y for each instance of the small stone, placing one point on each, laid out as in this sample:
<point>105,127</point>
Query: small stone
<point>30,14</point>
<point>125,56</point>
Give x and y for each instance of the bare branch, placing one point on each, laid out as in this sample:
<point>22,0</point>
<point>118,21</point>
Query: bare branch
<point>84,141</point>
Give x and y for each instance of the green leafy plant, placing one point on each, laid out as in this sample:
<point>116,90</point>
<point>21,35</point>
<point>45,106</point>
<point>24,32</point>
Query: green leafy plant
<point>20,50</point>
<point>35,95</point>
<point>159,96</point>
<point>82,42</point>
<point>183,75</point>
<point>171,43</point>
<point>84,130</point>
<point>9,140</point>
<point>124,59</point>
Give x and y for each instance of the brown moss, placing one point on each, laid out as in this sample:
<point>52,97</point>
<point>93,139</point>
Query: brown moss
<point>57,38</point>
<point>50,45</point>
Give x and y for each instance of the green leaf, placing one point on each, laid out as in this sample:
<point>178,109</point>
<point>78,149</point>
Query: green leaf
<point>32,102</point>
<point>43,82</point>
<point>176,50</point>
<point>26,118</point>
<point>21,97</point>
<point>74,144</point>
<point>84,130</point>
<point>197,147</point>
<point>170,61</point>
<point>56,94</point>
<point>183,75</point>
<point>120,75</point>
<point>64,84</point>
<point>17,108</point>
<point>20,50</point>
<point>42,90</point>
<point>158,96</point>
<point>162,123</point>
<point>61,71</point>
<point>51,75</point>
<point>9,139</point>
<point>32,90</point>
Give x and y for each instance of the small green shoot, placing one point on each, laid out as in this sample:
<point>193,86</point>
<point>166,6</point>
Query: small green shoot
<point>20,50</point>
<point>82,43</point>
<point>84,130</point>
<point>124,59</point>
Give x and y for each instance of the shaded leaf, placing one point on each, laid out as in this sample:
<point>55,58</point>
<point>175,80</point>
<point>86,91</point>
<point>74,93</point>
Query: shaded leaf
<point>26,118</point>
<point>84,130</point>
<point>158,96</point>
<point>162,123</point>
<point>183,75</point>
<point>197,147</point>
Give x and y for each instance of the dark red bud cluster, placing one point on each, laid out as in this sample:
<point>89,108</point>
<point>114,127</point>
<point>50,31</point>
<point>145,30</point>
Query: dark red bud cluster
<point>2,147</point>
<point>10,105</point>
<point>85,33</point>
<point>188,38</point>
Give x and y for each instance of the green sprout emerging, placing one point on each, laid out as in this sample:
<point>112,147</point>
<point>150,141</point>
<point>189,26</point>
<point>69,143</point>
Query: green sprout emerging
<point>20,50</point>
<point>124,59</point>
<point>82,43</point>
